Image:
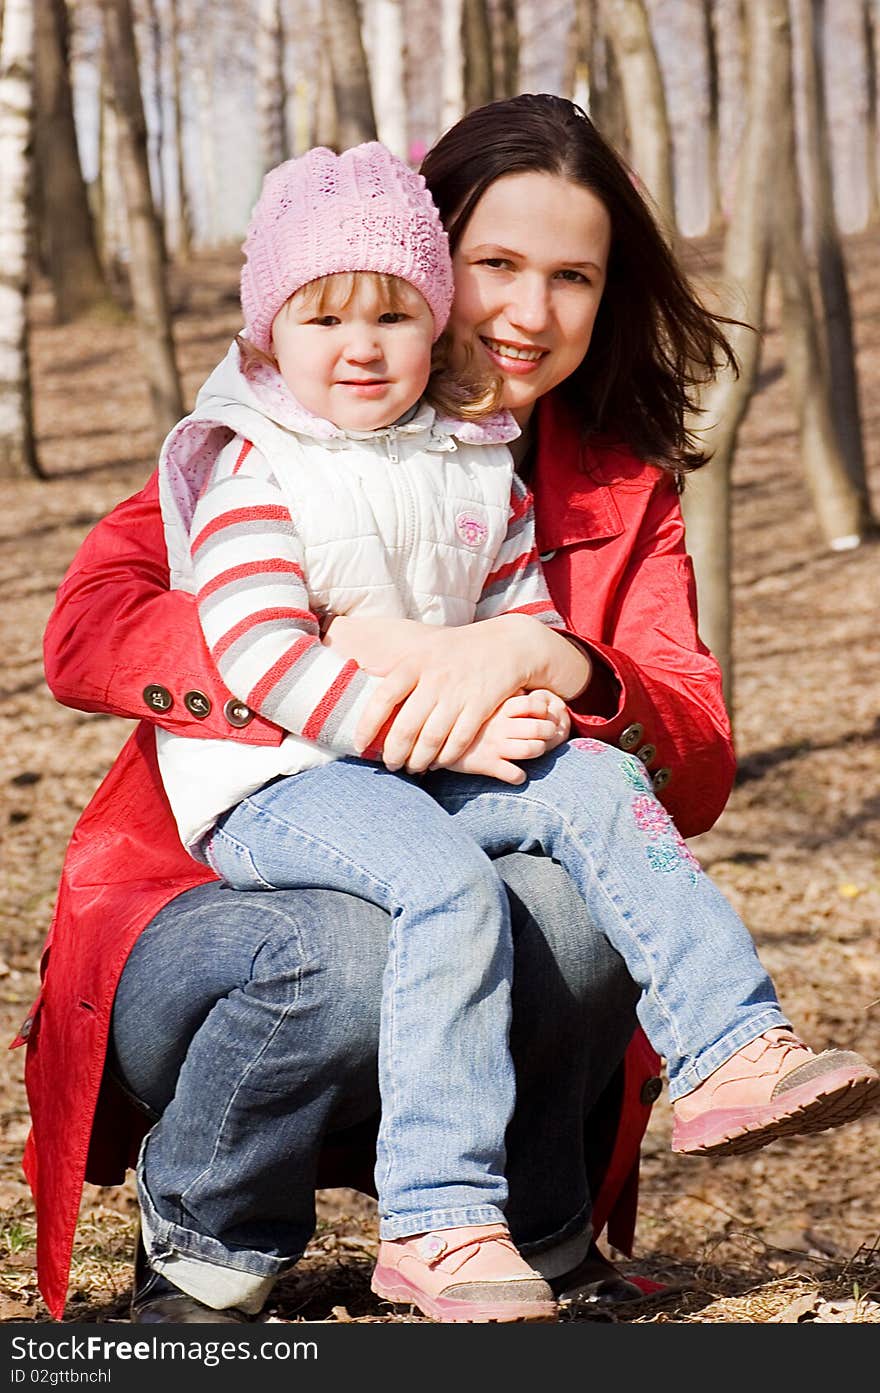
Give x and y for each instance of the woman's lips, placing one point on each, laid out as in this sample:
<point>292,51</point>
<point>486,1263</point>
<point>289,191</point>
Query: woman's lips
<point>519,360</point>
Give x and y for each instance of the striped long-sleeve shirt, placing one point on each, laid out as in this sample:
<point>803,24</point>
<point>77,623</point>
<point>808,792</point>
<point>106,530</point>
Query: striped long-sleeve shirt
<point>406,523</point>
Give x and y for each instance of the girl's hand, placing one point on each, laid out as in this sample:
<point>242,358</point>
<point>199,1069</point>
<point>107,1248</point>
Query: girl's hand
<point>523,727</point>
<point>439,696</point>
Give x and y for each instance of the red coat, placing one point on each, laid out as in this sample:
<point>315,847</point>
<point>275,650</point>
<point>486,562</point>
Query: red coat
<point>619,575</point>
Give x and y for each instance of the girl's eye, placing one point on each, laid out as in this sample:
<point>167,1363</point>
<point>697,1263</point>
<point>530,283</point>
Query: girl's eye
<point>325,321</point>
<point>393,317</point>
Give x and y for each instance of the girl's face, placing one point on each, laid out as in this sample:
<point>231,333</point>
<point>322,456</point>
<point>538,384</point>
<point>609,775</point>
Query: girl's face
<point>359,364</point>
<point>529,274</point>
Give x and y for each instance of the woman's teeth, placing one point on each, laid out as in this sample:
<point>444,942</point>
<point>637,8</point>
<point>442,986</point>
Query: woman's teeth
<point>506,350</point>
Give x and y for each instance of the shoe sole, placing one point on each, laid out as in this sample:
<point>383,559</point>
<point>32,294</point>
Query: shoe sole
<point>801,1111</point>
<point>391,1286</point>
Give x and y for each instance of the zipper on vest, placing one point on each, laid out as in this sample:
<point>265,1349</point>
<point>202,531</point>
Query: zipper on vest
<point>406,504</point>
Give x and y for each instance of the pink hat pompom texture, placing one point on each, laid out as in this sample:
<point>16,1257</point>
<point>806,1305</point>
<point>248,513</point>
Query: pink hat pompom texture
<point>363,210</point>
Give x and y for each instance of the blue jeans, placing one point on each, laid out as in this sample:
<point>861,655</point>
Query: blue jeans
<point>421,850</point>
<point>247,1025</point>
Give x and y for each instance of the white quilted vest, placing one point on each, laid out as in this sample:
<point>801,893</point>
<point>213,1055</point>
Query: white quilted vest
<point>403,522</point>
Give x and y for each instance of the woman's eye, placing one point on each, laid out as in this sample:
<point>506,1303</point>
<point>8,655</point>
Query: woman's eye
<point>494,262</point>
<point>575,277</point>
<point>393,317</point>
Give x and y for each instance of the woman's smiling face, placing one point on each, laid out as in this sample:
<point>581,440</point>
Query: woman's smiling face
<point>529,274</point>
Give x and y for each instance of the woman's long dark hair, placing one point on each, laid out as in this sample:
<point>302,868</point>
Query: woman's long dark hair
<point>653,343</point>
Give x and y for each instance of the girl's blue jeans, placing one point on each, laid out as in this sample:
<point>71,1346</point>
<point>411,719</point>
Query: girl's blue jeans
<point>423,850</point>
<point>247,1026</point>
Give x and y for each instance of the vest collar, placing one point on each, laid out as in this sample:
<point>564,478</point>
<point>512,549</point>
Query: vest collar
<point>263,389</point>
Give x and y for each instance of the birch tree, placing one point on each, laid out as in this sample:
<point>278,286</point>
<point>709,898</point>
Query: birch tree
<point>835,325</point>
<point>506,48</point>
<point>17,450</point>
<point>742,294</point>
<point>183,244</point>
<point>476,48</point>
<point>626,22</point>
<point>451,66</point>
<point>838,506</point>
<point>351,79</point>
<point>67,230</point>
<point>147,260</point>
<point>271,95</point>
<point>387,63</point>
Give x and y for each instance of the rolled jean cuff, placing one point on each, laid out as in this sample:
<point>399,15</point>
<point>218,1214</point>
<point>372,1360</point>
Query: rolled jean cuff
<point>574,1237</point>
<point>201,1266</point>
<point>689,1078</point>
<point>427,1220</point>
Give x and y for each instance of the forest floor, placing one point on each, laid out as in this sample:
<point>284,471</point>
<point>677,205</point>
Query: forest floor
<point>790,1234</point>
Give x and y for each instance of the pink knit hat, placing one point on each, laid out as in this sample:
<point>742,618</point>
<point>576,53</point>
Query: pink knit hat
<point>363,210</point>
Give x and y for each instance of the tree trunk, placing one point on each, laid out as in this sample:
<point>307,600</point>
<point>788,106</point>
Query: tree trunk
<point>476,47</point>
<point>351,78</point>
<point>147,267</point>
<point>156,128</point>
<point>628,29</point>
<point>742,293</point>
<point>728,27</point>
<point>183,243</point>
<point>325,119</point>
<point>714,130</point>
<point>452,66</point>
<point>388,74</point>
<point>577,73</point>
<point>506,49</point>
<point>835,325</point>
<point>202,73</point>
<point>18,456</point>
<point>271,94</point>
<point>839,508</point>
<point>68,233</point>
<point>607,107</point>
<point>872,60</point>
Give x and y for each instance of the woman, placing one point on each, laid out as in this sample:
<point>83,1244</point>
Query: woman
<point>244,1026</point>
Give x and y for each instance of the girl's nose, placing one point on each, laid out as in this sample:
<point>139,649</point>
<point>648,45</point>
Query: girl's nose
<point>529,306</point>
<point>362,346</point>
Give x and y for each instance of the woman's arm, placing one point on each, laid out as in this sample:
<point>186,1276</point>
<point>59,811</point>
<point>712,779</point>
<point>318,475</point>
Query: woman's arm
<point>661,695</point>
<point>120,642</point>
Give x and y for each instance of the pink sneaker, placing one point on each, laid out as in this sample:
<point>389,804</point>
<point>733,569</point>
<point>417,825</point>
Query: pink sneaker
<point>773,1087</point>
<point>463,1274</point>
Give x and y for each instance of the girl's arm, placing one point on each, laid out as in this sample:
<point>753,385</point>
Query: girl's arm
<point>255,609</point>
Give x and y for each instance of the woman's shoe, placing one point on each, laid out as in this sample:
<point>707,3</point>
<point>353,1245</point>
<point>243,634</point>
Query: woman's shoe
<point>156,1301</point>
<point>463,1274</point>
<point>597,1282</point>
<point>773,1087</point>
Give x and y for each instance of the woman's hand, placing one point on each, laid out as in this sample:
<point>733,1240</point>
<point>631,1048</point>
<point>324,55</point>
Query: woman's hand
<point>523,727</point>
<point>375,644</point>
<point>436,699</point>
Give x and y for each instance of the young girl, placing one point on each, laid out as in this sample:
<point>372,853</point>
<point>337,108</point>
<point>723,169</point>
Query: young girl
<point>316,478</point>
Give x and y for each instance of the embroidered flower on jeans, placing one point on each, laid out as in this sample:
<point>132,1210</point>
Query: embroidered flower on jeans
<point>592,747</point>
<point>663,858</point>
<point>651,816</point>
<point>667,850</point>
<point>634,772</point>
